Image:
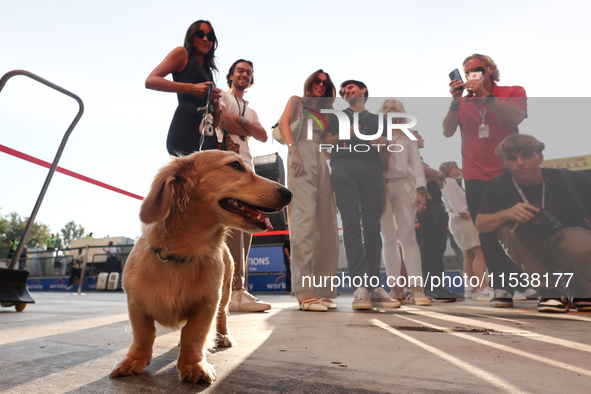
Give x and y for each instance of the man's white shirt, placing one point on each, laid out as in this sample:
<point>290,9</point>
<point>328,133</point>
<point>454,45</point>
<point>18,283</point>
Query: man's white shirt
<point>228,100</point>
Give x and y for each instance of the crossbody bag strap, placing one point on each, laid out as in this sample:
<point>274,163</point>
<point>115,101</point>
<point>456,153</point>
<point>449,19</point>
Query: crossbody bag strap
<point>570,186</point>
<point>297,124</point>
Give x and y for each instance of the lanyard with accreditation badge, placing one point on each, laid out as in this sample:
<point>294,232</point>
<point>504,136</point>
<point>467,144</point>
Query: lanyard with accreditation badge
<point>483,128</point>
<point>241,114</point>
<point>523,195</point>
<point>525,200</point>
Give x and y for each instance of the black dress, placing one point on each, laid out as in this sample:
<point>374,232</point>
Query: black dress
<point>184,134</point>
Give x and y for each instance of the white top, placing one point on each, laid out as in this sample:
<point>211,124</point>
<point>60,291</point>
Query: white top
<point>79,260</point>
<point>406,164</point>
<point>111,250</point>
<point>454,197</point>
<point>228,100</point>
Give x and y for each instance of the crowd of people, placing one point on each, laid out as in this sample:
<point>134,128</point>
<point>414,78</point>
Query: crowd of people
<point>380,194</point>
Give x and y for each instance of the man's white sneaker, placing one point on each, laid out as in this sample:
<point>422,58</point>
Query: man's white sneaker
<point>381,299</point>
<point>420,299</point>
<point>243,301</point>
<point>527,294</point>
<point>519,296</point>
<point>362,299</point>
<point>486,294</point>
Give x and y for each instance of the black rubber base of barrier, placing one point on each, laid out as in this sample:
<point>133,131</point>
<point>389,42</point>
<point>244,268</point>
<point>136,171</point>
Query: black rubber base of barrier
<point>13,287</point>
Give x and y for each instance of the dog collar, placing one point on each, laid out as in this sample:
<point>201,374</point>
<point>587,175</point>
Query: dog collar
<point>170,257</point>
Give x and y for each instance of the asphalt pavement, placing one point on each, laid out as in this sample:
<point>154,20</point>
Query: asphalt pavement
<point>67,343</point>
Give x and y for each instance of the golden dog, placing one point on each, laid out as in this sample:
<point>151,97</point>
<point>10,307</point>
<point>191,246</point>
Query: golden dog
<point>180,270</point>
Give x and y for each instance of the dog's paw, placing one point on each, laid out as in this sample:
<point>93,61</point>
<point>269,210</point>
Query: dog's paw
<point>197,372</point>
<point>129,366</point>
<point>225,341</point>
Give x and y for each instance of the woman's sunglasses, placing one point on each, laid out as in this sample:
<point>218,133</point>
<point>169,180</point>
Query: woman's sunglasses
<point>200,34</point>
<point>319,81</point>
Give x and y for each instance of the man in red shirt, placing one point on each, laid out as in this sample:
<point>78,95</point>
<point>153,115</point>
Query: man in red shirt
<point>487,118</point>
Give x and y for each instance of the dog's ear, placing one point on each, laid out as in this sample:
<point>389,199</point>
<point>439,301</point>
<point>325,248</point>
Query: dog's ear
<point>157,205</point>
<point>170,192</point>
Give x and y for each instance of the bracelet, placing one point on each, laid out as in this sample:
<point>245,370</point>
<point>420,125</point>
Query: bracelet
<point>421,190</point>
<point>489,99</point>
<point>452,108</point>
<point>454,105</point>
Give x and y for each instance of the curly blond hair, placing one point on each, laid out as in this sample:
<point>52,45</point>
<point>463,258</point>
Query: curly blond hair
<point>495,73</point>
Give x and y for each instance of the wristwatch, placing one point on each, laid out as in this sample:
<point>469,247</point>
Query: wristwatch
<point>243,121</point>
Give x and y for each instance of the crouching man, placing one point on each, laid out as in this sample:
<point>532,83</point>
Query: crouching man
<point>541,219</point>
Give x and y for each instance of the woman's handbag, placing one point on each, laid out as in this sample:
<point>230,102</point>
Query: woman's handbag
<point>296,128</point>
<point>228,143</point>
<point>277,134</point>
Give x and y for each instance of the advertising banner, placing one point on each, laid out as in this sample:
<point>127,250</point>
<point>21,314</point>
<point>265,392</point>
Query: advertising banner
<point>266,259</point>
<point>61,284</point>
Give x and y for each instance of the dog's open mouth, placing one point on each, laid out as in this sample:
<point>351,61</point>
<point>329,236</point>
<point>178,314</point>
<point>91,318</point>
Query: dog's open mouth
<point>254,215</point>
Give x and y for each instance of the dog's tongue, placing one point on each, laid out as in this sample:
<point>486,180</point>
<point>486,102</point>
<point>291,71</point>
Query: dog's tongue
<point>268,223</point>
<point>256,213</point>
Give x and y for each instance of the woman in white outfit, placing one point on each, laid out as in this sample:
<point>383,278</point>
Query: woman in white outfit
<point>404,191</point>
<point>464,233</point>
<point>313,219</point>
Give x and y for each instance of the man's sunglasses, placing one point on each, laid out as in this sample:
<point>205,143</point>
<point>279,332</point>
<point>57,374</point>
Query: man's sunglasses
<point>200,34</point>
<point>319,81</point>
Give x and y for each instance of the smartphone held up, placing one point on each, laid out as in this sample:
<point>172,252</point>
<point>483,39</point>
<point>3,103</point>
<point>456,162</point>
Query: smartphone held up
<point>455,75</point>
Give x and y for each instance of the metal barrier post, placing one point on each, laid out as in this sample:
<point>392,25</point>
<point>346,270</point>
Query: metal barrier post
<point>83,269</point>
<point>58,155</point>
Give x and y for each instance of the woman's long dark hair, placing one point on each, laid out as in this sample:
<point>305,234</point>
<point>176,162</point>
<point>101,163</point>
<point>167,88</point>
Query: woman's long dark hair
<point>209,58</point>
<point>327,100</point>
<point>330,89</point>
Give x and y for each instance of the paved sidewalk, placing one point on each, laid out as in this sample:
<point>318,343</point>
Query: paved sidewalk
<point>66,343</point>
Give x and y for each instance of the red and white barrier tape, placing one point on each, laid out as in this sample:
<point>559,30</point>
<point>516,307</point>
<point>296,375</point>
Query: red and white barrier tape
<point>73,174</point>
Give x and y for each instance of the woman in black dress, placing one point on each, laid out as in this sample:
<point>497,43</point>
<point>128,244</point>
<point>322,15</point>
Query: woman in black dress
<point>192,68</point>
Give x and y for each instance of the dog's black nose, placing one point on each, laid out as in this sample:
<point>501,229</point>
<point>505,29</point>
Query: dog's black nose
<point>286,194</point>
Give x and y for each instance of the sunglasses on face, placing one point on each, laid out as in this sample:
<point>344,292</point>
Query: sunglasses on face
<point>200,34</point>
<point>319,81</point>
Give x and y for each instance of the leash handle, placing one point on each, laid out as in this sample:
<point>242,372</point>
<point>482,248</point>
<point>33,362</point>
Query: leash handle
<point>205,110</point>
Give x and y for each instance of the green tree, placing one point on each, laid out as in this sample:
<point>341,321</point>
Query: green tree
<point>3,237</point>
<point>3,227</point>
<point>70,232</point>
<point>13,225</point>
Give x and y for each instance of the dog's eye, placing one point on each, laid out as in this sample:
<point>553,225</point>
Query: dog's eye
<point>236,165</point>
